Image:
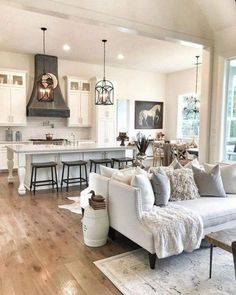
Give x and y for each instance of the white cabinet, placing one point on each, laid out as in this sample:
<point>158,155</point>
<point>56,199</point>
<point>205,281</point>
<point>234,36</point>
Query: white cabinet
<point>106,124</point>
<point>79,100</point>
<point>12,99</point>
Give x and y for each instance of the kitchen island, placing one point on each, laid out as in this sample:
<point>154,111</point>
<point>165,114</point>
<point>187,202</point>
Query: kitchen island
<point>27,154</point>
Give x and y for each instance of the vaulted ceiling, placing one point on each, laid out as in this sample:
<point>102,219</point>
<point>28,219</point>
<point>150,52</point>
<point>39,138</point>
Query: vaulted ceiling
<point>138,29</point>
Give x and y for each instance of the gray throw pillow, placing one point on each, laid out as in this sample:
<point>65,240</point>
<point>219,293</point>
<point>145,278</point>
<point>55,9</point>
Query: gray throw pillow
<point>209,184</point>
<point>161,188</point>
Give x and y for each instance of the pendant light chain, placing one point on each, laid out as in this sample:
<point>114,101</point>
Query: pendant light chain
<point>104,59</point>
<point>44,46</point>
<point>197,63</point>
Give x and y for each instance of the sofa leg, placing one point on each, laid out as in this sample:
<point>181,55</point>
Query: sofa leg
<point>112,233</point>
<point>152,260</point>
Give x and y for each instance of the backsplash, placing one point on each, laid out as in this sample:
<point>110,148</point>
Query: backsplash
<point>38,127</point>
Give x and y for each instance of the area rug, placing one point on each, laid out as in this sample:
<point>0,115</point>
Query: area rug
<point>185,274</point>
<point>74,207</point>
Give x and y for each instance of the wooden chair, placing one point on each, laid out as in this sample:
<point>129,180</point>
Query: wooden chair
<point>179,151</point>
<point>158,153</point>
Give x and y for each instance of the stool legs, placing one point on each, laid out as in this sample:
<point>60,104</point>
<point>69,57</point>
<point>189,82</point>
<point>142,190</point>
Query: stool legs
<point>79,179</point>
<point>55,169</point>
<point>62,176</point>
<point>86,176</point>
<point>68,173</point>
<point>34,182</point>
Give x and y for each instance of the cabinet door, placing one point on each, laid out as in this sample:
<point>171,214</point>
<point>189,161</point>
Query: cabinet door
<point>85,109</point>
<point>106,112</point>
<point>106,132</point>
<point>5,98</point>
<point>74,106</point>
<point>18,106</point>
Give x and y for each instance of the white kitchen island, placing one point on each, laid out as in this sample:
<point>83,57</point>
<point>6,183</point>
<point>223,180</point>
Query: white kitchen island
<point>27,154</point>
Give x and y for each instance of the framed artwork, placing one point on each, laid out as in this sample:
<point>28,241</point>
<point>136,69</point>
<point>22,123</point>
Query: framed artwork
<point>148,115</point>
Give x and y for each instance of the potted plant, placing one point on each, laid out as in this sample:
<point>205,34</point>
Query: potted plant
<point>142,144</point>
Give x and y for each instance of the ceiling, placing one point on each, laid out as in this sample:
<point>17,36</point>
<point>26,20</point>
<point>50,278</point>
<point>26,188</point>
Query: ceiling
<point>221,14</point>
<point>20,32</point>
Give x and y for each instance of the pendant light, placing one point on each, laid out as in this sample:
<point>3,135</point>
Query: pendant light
<point>193,101</point>
<point>45,81</point>
<point>104,90</point>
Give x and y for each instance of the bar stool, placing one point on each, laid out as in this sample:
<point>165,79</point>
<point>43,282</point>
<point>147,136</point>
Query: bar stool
<point>34,182</point>
<point>79,179</point>
<point>99,162</point>
<point>120,161</point>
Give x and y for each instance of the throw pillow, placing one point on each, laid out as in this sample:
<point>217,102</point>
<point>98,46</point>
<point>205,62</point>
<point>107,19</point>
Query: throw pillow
<point>142,182</point>
<point>182,184</point>
<point>107,171</point>
<point>126,175</point>
<point>175,164</point>
<point>194,162</point>
<point>228,174</point>
<point>209,184</point>
<point>161,188</point>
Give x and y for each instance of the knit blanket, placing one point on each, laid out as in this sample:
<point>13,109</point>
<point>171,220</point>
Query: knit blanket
<point>175,229</point>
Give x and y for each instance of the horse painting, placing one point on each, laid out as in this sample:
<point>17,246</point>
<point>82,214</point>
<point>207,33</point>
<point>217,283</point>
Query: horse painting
<point>148,115</point>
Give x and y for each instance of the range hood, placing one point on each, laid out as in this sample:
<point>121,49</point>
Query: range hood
<point>39,108</point>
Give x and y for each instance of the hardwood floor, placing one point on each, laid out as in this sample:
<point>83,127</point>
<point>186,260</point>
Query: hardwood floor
<point>42,249</point>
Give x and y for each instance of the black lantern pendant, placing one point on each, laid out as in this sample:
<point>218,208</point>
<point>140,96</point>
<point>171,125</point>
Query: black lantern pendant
<point>45,81</point>
<point>104,90</point>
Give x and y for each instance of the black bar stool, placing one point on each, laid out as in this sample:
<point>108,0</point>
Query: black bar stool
<point>79,179</point>
<point>34,182</point>
<point>99,162</point>
<point>120,161</point>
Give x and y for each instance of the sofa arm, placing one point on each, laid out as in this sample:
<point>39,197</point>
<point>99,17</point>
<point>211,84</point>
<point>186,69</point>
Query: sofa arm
<point>125,213</point>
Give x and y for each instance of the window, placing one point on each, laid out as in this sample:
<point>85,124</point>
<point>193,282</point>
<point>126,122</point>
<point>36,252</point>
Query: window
<point>188,116</point>
<point>230,121</point>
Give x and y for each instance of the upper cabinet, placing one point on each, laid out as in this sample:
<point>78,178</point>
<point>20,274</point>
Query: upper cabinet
<point>79,98</point>
<point>13,98</point>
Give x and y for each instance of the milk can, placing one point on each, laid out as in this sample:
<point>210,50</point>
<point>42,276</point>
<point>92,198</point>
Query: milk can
<point>95,227</point>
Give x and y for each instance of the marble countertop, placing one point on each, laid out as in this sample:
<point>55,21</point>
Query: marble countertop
<point>79,147</point>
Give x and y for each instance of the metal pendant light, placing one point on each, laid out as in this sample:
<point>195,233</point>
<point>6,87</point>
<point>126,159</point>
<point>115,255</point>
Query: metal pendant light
<point>45,81</point>
<point>104,90</point>
<point>193,101</point>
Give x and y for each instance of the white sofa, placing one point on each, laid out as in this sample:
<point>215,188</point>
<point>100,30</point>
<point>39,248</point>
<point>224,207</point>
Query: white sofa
<point>125,211</point>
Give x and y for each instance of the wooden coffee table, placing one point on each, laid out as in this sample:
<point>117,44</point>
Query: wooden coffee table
<point>224,239</point>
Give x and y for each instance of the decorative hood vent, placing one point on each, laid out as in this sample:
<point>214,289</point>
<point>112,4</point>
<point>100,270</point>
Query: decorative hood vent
<point>39,104</point>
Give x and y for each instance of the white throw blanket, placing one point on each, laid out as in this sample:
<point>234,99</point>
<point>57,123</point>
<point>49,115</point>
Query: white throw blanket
<point>174,228</point>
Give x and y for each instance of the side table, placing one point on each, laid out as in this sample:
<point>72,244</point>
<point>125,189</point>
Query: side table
<point>95,227</point>
<point>224,239</point>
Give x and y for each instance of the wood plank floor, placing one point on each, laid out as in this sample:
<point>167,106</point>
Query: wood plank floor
<point>42,249</point>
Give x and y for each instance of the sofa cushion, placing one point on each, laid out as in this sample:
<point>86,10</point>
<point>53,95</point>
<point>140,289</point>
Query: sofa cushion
<point>107,171</point>
<point>182,184</point>
<point>209,184</point>
<point>161,188</point>
<point>192,163</point>
<point>228,174</point>
<point>214,211</point>
<point>142,182</point>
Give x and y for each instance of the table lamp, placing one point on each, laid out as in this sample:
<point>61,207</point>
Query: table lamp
<point>122,137</point>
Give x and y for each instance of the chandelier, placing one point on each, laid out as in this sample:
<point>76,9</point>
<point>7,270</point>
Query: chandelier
<point>104,90</point>
<point>45,81</point>
<point>193,102</point>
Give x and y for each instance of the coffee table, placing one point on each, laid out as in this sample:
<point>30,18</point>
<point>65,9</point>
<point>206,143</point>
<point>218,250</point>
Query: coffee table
<point>224,239</point>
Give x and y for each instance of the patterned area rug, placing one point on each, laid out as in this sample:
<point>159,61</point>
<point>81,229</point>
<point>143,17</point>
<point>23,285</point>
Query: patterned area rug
<point>185,274</point>
<point>74,207</point>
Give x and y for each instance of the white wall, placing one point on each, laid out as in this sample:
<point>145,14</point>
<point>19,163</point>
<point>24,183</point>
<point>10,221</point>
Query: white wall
<point>178,83</point>
<point>133,85</point>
